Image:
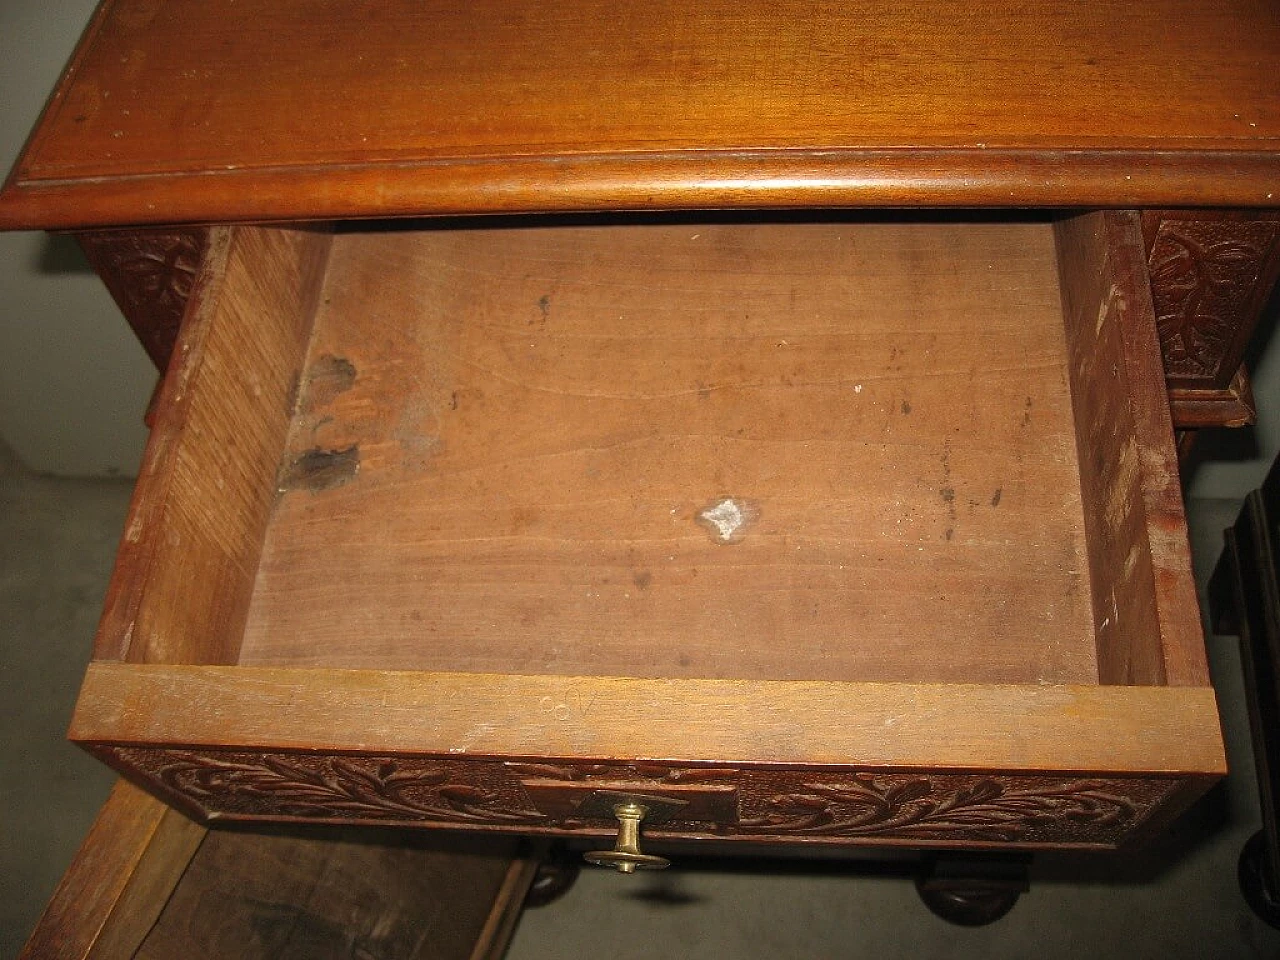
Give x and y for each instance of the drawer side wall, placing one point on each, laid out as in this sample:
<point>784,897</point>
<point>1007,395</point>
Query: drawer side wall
<point>184,575</point>
<point>1145,611</point>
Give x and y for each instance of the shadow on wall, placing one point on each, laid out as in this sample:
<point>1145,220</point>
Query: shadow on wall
<point>59,255</point>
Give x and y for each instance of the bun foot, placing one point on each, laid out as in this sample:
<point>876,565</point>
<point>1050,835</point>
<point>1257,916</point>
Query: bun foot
<point>1256,883</point>
<point>972,892</point>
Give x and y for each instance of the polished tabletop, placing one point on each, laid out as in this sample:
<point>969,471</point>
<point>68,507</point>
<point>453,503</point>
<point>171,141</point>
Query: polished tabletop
<point>213,110</point>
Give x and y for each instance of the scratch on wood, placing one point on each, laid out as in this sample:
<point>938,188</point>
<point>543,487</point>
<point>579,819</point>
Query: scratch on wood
<point>1115,300</point>
<point>1123,491</point>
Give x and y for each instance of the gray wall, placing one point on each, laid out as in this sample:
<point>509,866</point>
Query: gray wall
<point>74,383</point>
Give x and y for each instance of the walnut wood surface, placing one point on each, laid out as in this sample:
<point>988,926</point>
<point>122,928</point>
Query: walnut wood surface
<point>1145,608</point>
<point>507,441</point>
<point>820,762</point>
<point>1031,727</point>
<point>180,590</point>
<point>854,806</point>
<point>247,109</point>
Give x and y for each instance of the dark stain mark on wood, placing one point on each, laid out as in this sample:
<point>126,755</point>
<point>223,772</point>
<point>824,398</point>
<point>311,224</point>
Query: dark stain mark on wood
<point>453,400</point>
<point>642,579</point>
<point>318,469</point>
<point>947,492</point>
<point>906,407</point>
<point>328,377</point>
<point>544,306</point>
<point>995,497</point>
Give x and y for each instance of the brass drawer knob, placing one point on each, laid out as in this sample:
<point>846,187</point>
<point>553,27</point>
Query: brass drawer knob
<point>625,857</point>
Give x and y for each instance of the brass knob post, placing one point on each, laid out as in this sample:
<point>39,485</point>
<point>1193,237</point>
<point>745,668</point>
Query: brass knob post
<point>625,857</point>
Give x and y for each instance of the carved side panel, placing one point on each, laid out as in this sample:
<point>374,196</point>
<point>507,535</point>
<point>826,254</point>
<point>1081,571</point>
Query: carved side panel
<point>844,806</point>
<point>1211,275</point>
<point>150,274</point>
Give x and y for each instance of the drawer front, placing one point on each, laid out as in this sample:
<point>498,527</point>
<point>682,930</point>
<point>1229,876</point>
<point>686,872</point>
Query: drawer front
<point>843,806</point>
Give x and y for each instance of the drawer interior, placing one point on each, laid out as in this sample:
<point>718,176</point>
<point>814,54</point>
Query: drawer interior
<point>840,450</point>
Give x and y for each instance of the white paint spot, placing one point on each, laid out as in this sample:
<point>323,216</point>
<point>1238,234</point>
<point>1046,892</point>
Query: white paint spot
<point>857,388</point>
<point>725,518</point>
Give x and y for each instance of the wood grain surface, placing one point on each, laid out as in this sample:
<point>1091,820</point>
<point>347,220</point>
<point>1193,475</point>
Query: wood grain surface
<point>249,109</point>
<point>180,588</point>
<point>1144,602</point>
<point>511,447</point>
<point>915,726</point>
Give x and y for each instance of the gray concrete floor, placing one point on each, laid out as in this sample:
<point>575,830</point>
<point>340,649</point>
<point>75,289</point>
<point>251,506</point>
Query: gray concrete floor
<point>57,541</point>
<point>57,538</point>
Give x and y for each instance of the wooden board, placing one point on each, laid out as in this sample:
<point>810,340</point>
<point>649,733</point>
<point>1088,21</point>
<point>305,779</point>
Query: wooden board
<point>1144,600</point>
<point>582,720</point>
<point>513,447</point>
<point>196,522</point>
<point>256,109</point>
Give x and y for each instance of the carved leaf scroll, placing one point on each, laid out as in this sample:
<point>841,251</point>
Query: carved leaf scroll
<point>327,787</point>
<point>986,809</point>
<point>771,804</point>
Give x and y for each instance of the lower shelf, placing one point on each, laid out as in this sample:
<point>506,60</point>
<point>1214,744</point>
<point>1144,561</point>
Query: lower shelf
<point>148,884</point>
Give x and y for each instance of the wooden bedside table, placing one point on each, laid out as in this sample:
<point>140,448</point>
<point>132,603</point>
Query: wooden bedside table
<point>715,477</point>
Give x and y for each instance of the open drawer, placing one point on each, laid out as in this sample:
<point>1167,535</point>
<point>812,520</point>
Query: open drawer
<point>843,531</point>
